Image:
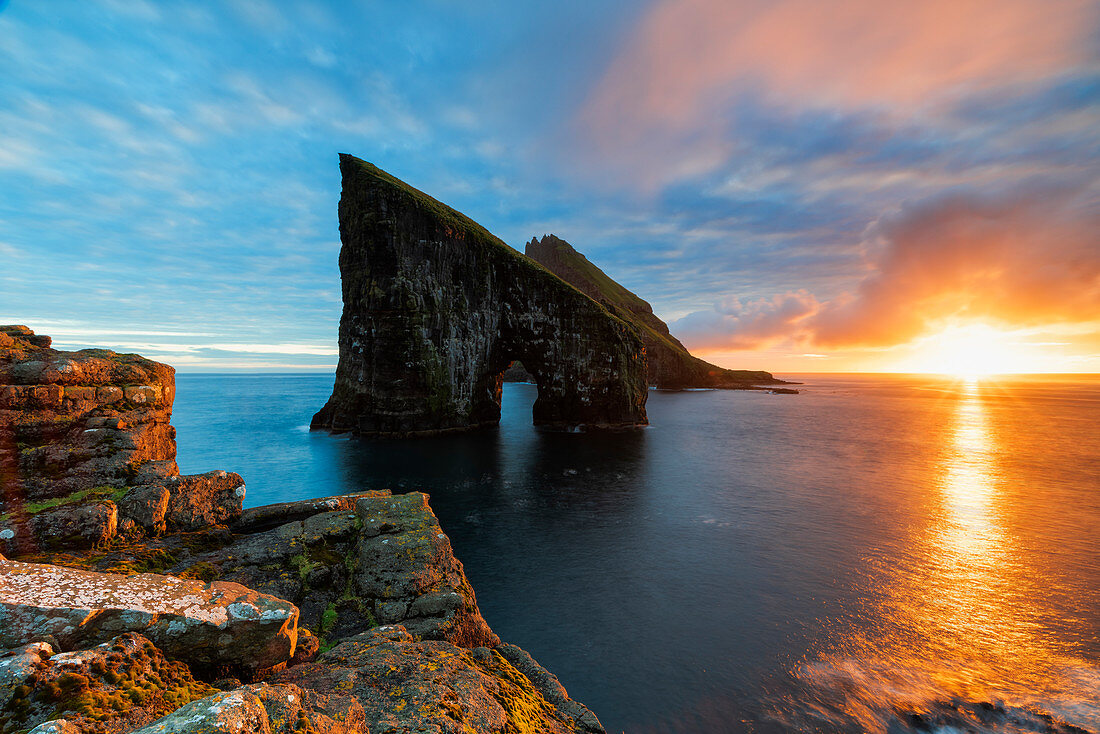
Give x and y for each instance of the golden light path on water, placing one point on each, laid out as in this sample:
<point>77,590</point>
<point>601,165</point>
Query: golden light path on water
<point>975,602</point>
<point>961,615</point>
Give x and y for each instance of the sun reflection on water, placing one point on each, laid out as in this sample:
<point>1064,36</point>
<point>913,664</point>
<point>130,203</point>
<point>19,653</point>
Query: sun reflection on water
<point>961,620</point>
<point>968,485</point>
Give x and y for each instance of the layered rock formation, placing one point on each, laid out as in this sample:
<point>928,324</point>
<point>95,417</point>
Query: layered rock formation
<point>436,308</point>
<point>135,626</point>
<point>670,365</point>
<point>87,450</point>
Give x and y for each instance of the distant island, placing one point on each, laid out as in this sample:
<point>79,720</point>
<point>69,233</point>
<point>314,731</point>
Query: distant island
<point>669,365</point>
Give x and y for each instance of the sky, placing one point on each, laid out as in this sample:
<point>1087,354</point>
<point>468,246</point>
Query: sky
<point>795,185</point>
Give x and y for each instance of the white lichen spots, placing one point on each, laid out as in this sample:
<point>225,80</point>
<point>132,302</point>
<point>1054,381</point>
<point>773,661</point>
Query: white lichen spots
<point>440,535</point>
<point>52,599</point>
<point>7,534</point>
<point>239,491</point>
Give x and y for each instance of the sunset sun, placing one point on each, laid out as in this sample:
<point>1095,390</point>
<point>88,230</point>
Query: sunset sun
<point>971,351</point>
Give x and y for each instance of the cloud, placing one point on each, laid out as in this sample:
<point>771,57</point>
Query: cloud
<point>688,61</point>
<point>737,324</point>
<point>1024,256</point>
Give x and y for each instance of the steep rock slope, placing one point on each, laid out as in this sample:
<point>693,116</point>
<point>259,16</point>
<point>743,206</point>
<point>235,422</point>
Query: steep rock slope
<point>670,365</point>
<point>436,308</point>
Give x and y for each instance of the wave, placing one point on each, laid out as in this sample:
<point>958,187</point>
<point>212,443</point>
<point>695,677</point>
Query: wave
<point>880,697</point>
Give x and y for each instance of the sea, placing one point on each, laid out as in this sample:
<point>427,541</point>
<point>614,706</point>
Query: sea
<point>879,553</point>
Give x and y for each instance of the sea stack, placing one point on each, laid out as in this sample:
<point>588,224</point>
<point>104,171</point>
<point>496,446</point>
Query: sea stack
<point>436,308</point>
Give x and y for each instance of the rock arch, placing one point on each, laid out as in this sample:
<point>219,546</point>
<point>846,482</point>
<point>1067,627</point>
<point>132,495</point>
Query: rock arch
<point>436,308</point>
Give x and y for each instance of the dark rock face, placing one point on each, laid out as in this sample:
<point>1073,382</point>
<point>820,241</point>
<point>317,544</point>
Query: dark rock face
<point>670,365</point>
<point>436,308</point>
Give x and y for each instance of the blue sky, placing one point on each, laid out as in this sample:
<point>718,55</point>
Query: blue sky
<point>794,191</point>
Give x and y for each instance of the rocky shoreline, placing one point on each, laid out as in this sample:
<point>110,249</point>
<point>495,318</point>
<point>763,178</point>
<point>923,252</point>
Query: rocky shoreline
<point>136,599</point>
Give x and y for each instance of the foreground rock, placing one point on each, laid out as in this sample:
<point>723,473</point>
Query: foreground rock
<point>669,364</point>
<point>436,308</point>
<point>87,450</point>
<point>373,558</point>
<point>117,686</point>
<point>135,640</point>
<point>434,687</point>
<point>210,626</point>
<point>264,709</point>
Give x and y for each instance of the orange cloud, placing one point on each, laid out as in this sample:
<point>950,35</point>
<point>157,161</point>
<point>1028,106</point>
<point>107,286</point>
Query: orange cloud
<point>687,58</point>
<point>1025,257</point>
<point>737,324</point>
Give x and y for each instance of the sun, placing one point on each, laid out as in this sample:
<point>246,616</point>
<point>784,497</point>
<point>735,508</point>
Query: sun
<point>971,351</point>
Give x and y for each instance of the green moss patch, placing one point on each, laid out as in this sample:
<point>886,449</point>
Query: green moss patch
<point>83,495</point>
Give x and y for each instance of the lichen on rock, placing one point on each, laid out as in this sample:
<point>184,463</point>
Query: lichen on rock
<point>434,687</point>
<point>118,685</point>
<point>210,626</point>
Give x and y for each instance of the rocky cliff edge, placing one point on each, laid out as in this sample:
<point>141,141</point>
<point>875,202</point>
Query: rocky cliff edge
<point>136,599</point>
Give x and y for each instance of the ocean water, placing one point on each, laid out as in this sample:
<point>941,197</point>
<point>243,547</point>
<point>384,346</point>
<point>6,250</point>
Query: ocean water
<point>878,553</point>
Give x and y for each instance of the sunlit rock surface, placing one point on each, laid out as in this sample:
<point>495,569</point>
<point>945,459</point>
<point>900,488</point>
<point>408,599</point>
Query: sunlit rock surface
<point>436,308</point>
<point>433,687</point>
<point>88,452</point>
<point>116,686</point>
<point>214,625</point>
<point>264,709</point>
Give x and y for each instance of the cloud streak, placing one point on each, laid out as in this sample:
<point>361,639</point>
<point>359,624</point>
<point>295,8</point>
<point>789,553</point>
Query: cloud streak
<point>688,59</point>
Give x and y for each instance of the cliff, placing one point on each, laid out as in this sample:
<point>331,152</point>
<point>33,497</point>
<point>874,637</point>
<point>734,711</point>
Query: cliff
<point>142,603</point>
<point>670,365</point>
<point>88,452</point>
<point>436,308</point>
